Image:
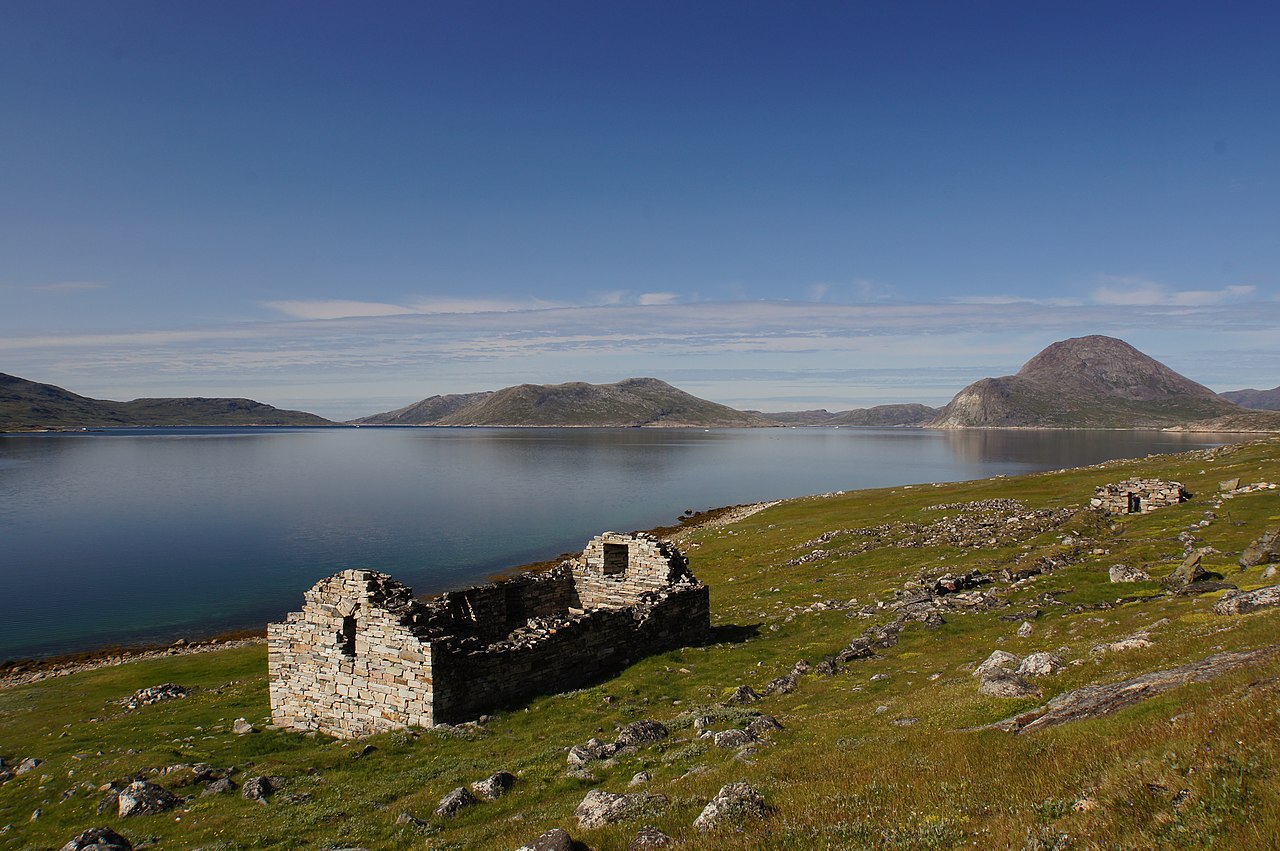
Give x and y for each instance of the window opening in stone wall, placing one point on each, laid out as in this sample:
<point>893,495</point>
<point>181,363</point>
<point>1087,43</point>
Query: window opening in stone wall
<point>1135,504</point>
<point>348,637</point>
<point>615,559</point>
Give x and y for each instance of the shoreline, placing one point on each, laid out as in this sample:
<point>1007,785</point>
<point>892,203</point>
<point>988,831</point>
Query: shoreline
<point>17,672</point>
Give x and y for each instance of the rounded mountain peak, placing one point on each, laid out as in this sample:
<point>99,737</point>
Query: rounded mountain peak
<point>1111,367</point>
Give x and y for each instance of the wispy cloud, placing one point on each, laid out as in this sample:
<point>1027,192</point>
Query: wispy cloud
<point>658,298</point>
<point>1137,291</point>
<point>350,309</point>
<point>67,287</point>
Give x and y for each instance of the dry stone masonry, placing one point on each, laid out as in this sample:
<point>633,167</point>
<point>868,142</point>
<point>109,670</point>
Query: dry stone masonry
<point>364,655</point>
<point>1137,496</point>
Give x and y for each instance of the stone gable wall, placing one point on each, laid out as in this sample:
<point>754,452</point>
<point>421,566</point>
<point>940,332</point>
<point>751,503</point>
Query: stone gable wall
<point>1138,496</point>
<point>364,656</point>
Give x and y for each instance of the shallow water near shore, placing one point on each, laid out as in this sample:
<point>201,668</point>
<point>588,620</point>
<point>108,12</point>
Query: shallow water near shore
<point>144,535</point>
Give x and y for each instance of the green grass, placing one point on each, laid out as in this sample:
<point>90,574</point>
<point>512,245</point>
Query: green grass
<point>841,775</point>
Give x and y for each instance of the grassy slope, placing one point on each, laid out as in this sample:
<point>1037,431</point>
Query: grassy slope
<point>841,775</point>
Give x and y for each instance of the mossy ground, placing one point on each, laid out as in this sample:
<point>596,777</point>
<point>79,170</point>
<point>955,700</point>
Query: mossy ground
<point>1197,767</point>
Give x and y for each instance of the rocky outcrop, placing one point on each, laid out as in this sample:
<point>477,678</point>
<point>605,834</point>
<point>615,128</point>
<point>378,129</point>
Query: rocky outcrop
<point>1124,573</point>
<point>1097,700</point>
<point>1244,602</point>
<point>1264,550</point>
<point>454,802</point>
<point>145,799</point>
<point>98,839</point>
<point>600,808</point>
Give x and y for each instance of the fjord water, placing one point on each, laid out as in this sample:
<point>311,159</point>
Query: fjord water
<point>147,535</point>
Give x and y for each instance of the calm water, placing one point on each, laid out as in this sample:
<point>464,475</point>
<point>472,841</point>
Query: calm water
<point>146,535</point>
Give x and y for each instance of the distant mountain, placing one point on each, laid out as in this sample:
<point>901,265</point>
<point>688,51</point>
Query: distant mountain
<point>31,406</point>
<point>1086,382</point>
<point>1258,400</point>
<point>880,416</point>
<point>633,402</point>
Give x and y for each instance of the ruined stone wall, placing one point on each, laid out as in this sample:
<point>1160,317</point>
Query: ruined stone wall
<point>349,663</point>
<point>1137,496</point>
<point>650,564</point>
<point>576,651</point>
<point>364,656</point>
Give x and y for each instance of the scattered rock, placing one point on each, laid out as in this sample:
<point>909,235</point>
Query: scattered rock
<point>1243,602</point>
<point>218,787</point>
<point>31,763</point>
<point>242,727</point>
<point>732,738</point>
<point>649,837</point>
<point>99,839</point>
<point>452,803</point>
<point>1002,683</point>
<point>1270,572</point>
<point>1265,550</point>
<point>1188,572</point>
<point>734,803</point>
<point>999,660</point>
<point>599,807</point>
<point>762,725</point>
<point>154,694</point>
<point>904,722</point>
<point>552,840</point>
<point>1097,700</point>
<point>1026,629</point>
<point>641,733</point>
<point>410,818</point>
<point>260,788</point>
<point>740,696</point>
<point>494,786</point>
<point>640,778</point>
<point>1124,573</point>
<point>1039,665</point>
<point>141,798</point>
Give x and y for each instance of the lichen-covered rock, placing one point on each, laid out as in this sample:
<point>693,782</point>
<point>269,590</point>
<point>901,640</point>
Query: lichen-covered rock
<point>733,804</point>
<point>1243,602</point>
<point>999,660</point>
<point>494,786</point>
<point>1125,573</point>
<point>1188,572</point>
<point>1006,684</point>
<point>31,763</point>
<point>599,807</point>
<point>259,788</point>
<point>1265,550</point>
<point>452,803</point>
<point>740,696</point>
<point>1039,665</point>
<point>732,738</point>
<point>99,839</point>
<point>554,839</point>
<point>145,799</point>
<point>154,694</point>
<point>640,733</point>
<point>242,727</point>
<point>218,787</point>
<point>762,725</point>
<point>649,837</point>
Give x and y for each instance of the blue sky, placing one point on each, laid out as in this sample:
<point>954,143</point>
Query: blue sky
<point>348,207</point>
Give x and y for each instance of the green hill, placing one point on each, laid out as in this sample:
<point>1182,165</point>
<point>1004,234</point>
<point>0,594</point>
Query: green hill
<point>31,406</point>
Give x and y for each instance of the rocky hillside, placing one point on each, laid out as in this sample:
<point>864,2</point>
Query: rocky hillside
<point>629,403</point>
<point>1258,400</point>
<point>31,406</point>
<point>1086,382</point>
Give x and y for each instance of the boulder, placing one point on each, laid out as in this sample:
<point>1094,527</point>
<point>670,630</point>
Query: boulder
<point>554,839</point>
<point>733,804</point>
<point>640,733</point>
<point>741,695</point>
<point>1025,629</point>
<point>99,839</point>
<point>1188,572</point>
<point>218,787</point>
<point>242,727</point>
<point>1124,573</point>
<point>260,788</point>
<point>732,738</point>
<point>999,660</point>
<point>31,763</point>
<point>1265,550</point>
<point>649,837</point>
<point>494,786</point>
<point>454,802</point>
<point>1006,684</point>
<point>762,725</point>
<point>145,799</point>
<point>1039,665</point>
<point>599,807</point>
<point>1243,602</point>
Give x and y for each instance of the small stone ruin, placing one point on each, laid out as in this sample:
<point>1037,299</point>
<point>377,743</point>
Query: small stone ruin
<point>364,655</point>
<point>1137,496</point>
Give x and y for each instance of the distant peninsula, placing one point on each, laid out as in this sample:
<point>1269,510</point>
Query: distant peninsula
<point>31,406</point>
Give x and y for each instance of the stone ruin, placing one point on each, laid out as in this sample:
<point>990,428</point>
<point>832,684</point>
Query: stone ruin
<point>364,655</point>
<point>1137,496</point>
